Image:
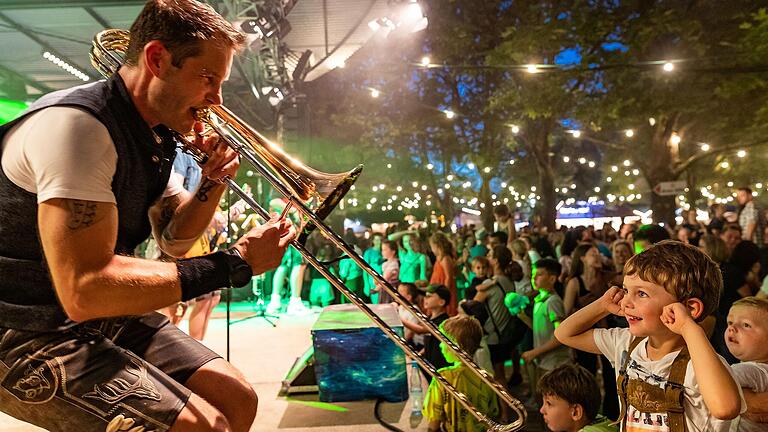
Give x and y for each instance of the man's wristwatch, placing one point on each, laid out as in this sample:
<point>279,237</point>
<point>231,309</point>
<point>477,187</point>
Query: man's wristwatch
<point>240,272</point>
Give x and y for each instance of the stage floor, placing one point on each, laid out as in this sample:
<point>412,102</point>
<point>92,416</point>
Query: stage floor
<point>264,354</point>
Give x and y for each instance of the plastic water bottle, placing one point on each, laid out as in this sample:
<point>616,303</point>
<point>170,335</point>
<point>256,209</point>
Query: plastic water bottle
<point>416,393</point>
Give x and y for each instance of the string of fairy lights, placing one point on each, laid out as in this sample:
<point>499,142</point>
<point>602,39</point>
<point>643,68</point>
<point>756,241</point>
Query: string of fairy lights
<point>407,196</point>
<point>381,198</point>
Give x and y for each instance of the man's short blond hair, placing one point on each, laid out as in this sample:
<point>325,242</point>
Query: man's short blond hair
<point>683,270</point>
<point>753,302</point>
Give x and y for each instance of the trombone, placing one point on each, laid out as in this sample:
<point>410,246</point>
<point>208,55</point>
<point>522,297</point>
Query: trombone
<point>300,184</point>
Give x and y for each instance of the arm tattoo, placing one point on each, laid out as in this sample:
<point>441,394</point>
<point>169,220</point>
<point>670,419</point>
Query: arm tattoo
<point>82,214</point>
<point>167,211</point>
<point>204,189</point>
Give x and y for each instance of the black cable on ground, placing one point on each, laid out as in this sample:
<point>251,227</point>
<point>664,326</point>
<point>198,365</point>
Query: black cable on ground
<point>380,420</point>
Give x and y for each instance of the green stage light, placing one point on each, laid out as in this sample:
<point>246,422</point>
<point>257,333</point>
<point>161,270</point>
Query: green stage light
<point>9,109</point>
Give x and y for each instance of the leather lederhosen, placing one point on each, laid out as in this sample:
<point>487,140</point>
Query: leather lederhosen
<point>649,398</point>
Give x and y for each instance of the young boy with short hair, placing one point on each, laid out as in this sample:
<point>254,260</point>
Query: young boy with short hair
<point>746,338</point>
<point>441,410</point>
<point>436,300</point>
<point>548,311</point>
<point>669,376</point>
<point>481,269</point>
<point>571,401</point>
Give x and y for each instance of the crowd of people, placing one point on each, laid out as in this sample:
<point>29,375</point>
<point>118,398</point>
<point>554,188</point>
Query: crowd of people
<point>522,285</point>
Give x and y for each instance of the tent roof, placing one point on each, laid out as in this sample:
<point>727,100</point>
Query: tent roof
<point>332,29</point>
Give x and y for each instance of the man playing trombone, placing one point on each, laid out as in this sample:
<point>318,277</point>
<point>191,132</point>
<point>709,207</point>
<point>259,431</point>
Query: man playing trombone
<point>84,179</point>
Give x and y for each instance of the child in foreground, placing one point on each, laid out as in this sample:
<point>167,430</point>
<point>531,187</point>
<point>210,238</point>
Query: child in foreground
<point>571,401</point>
<point>746,338</point>
<point>440,408</point>
<point>664,359</point>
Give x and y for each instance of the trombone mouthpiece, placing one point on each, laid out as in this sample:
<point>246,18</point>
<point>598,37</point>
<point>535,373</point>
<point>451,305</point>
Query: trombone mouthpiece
<point>202,115</point>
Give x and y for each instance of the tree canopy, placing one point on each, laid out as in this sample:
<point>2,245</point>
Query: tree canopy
<point>530,103</point>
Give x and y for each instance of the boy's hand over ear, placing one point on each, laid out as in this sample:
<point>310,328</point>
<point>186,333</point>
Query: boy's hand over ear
<point>611,301</point>
<point>677,317</point>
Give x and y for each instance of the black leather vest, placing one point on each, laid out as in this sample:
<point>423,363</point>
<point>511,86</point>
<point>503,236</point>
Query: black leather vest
<point>144,160</point>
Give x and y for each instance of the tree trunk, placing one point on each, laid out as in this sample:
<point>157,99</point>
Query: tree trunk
<point>693,194</point>
<point>663,209</point>
<point>547,203</point>
<point>538,139</point>
<point>445,206</point>
<point>485,197</point>
<point>658,168</point>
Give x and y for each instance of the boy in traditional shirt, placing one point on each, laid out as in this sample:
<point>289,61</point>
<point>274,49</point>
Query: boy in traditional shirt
<point>669,376</point>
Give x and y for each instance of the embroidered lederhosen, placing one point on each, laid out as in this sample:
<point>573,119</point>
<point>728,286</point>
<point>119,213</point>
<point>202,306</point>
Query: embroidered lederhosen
<point>650,398</point>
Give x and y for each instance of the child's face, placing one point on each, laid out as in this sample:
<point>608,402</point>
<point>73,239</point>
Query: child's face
<point>403,290</point>
<point>543,280</point>
<point>621,254</point>
<point>387,252</point>
<point>434,248</point>
<point>643,304</point>
<point>641,245</point>
<point>558,413</point>
<point>448,353</point>
<point>592,258</point>
<point>479,268</point>
<point>746,333</point>
<point>433,302</point>
<point>407,242</point>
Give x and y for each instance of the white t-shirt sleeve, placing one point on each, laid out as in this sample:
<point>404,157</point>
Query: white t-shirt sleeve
<point>175,185</point>
<point>61,152</point>
<point>751,375</point>
<point>612,342</point>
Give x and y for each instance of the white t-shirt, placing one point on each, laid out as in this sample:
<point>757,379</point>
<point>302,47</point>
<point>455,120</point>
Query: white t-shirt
<point>614,343</point>
<point>753,376</point>
<point>64,152</point>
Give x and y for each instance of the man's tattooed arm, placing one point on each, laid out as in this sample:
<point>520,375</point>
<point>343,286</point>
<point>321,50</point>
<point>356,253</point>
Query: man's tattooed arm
<point>161,215</point>
<point>205,188</point>
<point>179,220</point>
<point>82,214</point>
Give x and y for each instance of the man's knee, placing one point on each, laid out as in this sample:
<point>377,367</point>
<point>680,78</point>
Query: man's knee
<point>200,416</point>
<point>243,407</point>
<point>226,388</point>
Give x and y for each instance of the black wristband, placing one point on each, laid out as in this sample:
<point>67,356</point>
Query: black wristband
<point>204,274</point>
<point>240,273</point>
